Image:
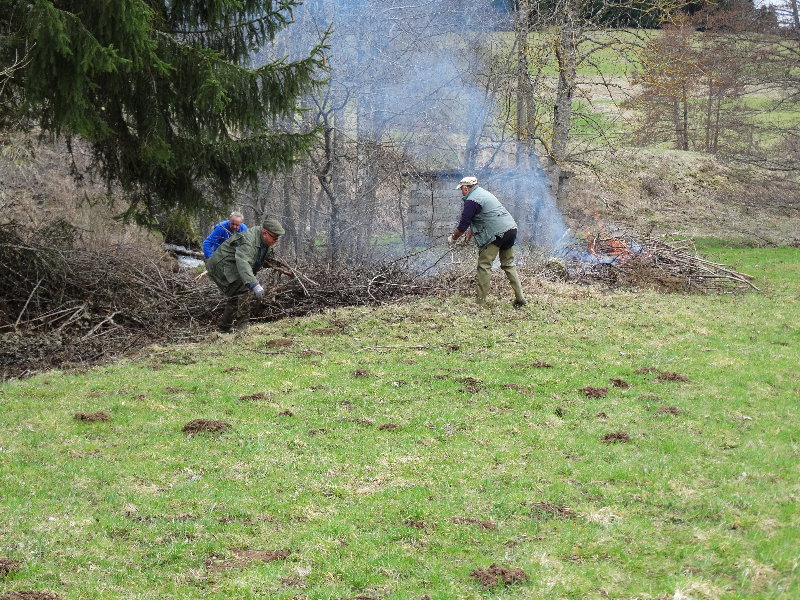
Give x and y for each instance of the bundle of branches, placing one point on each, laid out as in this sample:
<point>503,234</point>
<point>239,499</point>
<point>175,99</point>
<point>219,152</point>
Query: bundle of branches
<point>320,284</point>
<point>65,305</point>
<point>650,263</point>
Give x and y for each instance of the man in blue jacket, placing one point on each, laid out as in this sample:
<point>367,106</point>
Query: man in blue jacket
<point>494,230</point>
<point>222,231</point>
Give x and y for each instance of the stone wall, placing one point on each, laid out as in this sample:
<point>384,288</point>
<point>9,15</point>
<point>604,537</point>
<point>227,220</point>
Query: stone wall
<point>434,207</point>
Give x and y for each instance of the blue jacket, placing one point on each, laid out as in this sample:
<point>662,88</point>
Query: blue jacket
<point>220,233</point>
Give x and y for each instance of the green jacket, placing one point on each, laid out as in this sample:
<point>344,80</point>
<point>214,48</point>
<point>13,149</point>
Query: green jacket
<point>493,220</point>
<point>234,264</point>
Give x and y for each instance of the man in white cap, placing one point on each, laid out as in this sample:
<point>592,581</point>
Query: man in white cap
<point>495,231</point>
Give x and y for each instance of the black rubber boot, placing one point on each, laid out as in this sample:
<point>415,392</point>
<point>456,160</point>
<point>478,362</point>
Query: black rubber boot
<point>225,322</point>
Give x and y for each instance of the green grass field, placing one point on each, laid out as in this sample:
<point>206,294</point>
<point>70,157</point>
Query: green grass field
<point>389,452</point>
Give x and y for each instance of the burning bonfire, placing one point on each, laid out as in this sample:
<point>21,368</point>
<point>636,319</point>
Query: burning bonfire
<point>619,259</point>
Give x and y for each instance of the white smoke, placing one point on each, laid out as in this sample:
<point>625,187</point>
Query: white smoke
<point>415,74</point>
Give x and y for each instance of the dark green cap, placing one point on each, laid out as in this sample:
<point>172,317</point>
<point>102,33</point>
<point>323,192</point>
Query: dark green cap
<point>271,224</point>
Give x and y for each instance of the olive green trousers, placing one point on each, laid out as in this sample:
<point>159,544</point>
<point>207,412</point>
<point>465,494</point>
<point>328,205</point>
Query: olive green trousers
<point>486,257</point>
<point>237,308</point>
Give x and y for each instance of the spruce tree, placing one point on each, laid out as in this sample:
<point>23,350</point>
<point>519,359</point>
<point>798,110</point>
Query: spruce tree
<point>164,91</point>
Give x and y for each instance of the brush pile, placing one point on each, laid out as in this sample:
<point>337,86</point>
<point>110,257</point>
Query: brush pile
<point>649,263</point>
<point>62,305</point>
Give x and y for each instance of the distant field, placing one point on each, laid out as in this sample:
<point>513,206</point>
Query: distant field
<point>595,445</point>
<point>605,79</point>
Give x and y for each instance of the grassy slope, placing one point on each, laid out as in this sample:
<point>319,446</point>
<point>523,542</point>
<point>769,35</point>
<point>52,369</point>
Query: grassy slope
<point>701,504</point>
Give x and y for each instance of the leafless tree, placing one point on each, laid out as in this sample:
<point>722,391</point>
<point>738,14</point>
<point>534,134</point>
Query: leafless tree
<point>724,90</point>
<point>559,42</point>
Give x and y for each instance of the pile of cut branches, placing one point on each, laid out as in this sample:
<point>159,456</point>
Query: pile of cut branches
<point>66,306</point>
<point>320,284</point>
<point>650,263</point>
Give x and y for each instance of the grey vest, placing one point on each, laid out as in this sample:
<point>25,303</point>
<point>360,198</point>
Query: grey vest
<point>493,220</point>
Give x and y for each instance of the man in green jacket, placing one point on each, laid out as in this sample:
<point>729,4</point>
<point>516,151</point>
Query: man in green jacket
<point>233,267</point>
<point>494,230</point>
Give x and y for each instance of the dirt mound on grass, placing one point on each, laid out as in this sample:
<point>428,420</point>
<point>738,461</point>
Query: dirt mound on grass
<point>30,595</point>
<point>415,524</point>
<point>256,396</point>
<point>279,343</point>
<point>496,575</point>
<point>92,417</point>
<point>617,437</point>
<point>646,370</point>
<point>662,375</point>
<point>667,376</point>
<point>205,426</point>
<point>8,566</point>
<point>594,392</point>
<point>242,558</point>
<point>668,410</point>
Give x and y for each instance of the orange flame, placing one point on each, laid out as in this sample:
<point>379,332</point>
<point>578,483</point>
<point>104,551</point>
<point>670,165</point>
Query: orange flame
<point>617,250</point>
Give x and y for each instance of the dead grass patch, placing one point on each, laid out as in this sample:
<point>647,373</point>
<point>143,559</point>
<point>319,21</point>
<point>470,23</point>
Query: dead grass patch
<point>256,396</point>
<point>279,343</point>
<point>473,521</point>
<point>243,558</point>
<point>544,511</point>
<point>518,388</point>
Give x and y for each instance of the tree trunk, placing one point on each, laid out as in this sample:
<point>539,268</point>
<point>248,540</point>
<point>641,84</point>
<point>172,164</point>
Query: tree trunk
<point>289,221</point>
<point>709,113</point>
<point>676,120</point>
<point>366,176</point>
<point>566,56</point>
<point>685,124</point>
<point>305,203</point>
<point>523,83</point>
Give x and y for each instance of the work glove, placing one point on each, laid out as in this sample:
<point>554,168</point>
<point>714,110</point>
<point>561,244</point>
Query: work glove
<point>258,290</point>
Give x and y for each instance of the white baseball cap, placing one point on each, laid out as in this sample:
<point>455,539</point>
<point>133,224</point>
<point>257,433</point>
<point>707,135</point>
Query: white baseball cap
<point>470,181</point>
